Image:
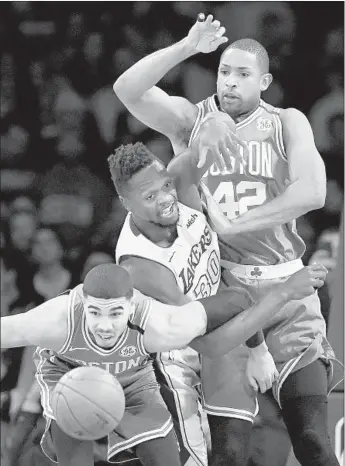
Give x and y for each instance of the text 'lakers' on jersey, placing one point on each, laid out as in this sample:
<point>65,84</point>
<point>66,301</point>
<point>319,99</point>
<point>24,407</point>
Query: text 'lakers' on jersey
<point>127,360</point>
<point>263,177</point>
<point>193,258</point>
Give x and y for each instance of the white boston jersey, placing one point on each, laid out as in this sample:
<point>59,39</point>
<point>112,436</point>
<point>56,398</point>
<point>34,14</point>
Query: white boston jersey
<point>193,258</point>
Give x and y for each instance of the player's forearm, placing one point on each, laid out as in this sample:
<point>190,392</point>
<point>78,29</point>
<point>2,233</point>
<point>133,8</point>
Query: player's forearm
<point>147,72</point>
<point>296,201</point>
<point>241,326</point>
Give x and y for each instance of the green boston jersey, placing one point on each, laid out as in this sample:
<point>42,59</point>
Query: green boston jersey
<point>127,360</point>
<point>263,177</point>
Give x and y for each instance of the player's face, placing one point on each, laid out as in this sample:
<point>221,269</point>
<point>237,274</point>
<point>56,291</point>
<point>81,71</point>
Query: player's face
<point>152,196</point>
<point>240,82</point>
<point>107,319</point>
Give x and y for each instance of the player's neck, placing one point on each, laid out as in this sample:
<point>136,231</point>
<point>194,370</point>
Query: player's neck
<point>237,119</point>
<point>240,117</point>
<point>159,235</point>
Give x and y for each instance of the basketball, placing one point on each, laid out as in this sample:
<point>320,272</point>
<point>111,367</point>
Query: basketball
<point>88,403</point>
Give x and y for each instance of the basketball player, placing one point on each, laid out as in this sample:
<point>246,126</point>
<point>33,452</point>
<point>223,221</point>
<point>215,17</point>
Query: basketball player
<point>172,241</point>
<point>103,323</point>
<point>283,177</point>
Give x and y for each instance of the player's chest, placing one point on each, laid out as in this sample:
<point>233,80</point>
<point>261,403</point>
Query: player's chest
<point>127,359</point>
<point>196,260</point>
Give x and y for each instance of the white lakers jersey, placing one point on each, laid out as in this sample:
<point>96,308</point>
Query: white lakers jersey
<point>193,258</point>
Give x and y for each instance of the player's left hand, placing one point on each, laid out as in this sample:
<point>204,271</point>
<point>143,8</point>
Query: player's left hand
<point>261,370</point>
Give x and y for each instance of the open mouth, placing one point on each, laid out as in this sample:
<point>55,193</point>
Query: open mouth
<point>168,211</point>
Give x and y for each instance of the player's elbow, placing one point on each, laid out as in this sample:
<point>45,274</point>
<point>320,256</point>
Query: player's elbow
<point>121,90</point>
<point>317,197</point>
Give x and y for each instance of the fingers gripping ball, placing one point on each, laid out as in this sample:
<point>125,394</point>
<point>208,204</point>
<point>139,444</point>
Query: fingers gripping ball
<point>88,403</point>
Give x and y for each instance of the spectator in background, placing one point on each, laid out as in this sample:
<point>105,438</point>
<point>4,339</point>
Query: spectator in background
<point>22,226</point>
<point>331,104</point>
<point>51,277</point>
<point>95,258</point>
<point>21,229</point>
<point>74,199</point>
<point>106,236</point>
<point>14,300</point>
<point>16,174</point>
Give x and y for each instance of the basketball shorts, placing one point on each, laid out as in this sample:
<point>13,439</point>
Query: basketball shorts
<point>295,337</point>
<point>178,373</point>
<point>146,415</point>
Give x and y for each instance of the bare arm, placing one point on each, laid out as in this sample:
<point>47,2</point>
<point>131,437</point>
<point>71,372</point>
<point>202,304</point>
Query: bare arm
<point>154,280</point>
<point>306,191</point>
<point>173,327</point>
<point>239,324</point>
<point>136,88</point>
<point>45,325</point>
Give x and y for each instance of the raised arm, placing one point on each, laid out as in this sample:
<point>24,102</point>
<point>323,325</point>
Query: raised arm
<point>45,325</point>
<point>136,88</point>
<point>306,191</point>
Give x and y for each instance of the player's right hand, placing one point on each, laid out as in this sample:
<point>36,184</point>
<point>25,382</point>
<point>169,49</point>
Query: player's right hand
<point>206,35</point>
<point>304,282</point>
<point>217,138</point>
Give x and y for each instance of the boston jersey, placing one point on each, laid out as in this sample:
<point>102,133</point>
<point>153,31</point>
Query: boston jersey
<point>193,258</point>
<point>127,360</point>
<point>244,187</point>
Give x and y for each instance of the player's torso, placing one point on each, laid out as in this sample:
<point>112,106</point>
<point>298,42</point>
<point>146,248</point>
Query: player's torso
<point>127,360</point>
<point>263,177</point>
<point>193,258</point>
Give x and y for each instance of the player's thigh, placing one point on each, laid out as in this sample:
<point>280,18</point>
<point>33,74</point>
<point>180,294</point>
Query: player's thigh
<point>159,451</point>
<point>226,391</point>
<point>70,451</point>
<point>311,380</point>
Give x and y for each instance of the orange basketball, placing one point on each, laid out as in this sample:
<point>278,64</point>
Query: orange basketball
<point>88,403</point>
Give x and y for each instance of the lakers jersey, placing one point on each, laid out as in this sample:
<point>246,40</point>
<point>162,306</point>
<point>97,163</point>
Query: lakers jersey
<point>193,258</point>
<point>127,360</point>
<point>264,176</point>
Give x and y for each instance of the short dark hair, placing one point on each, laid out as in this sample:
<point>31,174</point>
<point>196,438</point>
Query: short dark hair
<point>108,281</point>
<point>128,160</point>
<point>252,46</point>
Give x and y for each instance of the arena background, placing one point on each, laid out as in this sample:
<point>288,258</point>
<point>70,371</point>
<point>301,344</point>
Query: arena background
<point>60,119</point>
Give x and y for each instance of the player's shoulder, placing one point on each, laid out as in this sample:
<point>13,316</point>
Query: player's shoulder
<point>292,115</point>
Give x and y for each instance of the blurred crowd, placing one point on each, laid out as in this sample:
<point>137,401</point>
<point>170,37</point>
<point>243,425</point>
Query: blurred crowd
<point>60,119</point>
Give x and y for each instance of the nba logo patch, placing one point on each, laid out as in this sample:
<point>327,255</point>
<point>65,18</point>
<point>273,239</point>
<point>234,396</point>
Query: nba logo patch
<point>128,351</point>
<point>264,124</point>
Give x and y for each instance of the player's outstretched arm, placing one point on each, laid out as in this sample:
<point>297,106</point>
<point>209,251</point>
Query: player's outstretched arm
<point>136,88</point>
<point>45,325</point>
<point>244,324</point>
<point>171,327</point>
<point>306,191</point>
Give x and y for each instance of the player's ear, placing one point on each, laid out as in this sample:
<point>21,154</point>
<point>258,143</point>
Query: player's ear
<point>266,80</point>
<point>124,202</point>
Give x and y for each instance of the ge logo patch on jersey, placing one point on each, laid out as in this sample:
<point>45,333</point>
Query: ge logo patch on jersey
<point>128,351</point>
<point>264,124</point>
